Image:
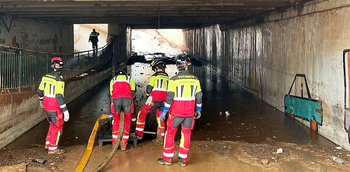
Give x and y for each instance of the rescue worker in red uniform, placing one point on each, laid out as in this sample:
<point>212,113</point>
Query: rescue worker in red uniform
<point>51,93</point>
<point>156,93</point>
<point>122,90</point>
<point>184,93</point>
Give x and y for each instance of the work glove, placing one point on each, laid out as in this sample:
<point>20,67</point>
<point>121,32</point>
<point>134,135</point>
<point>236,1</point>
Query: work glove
<point>198,114</point>
<point>149,100</point>
<point>162,115</point>
<point>165,110</point>
<point>66,116</point>
<point>41,104</point>
<point>198,111</point>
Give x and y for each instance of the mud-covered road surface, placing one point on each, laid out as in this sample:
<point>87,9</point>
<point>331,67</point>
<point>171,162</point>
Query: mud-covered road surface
<point>204,156</point>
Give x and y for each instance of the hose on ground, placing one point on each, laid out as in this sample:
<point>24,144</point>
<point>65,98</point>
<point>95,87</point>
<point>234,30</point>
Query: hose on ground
<point>91,142</point>
<point>90,145</point>
<point>104,164</point>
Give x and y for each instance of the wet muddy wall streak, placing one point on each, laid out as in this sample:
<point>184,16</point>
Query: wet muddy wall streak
<point>264,58</point>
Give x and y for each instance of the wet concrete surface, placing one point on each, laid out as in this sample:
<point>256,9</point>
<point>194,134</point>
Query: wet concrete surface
<point>250,119</point>
<point>83,114</point>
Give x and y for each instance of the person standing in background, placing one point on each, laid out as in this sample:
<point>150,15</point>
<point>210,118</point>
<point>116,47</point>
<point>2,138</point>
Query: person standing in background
<point>94,39</point>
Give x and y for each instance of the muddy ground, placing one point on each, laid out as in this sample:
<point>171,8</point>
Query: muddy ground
<point>204,155</point>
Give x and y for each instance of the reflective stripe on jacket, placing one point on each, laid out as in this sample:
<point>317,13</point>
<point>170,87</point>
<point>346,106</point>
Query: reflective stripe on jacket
<point>157,86</point>
<point>51,91</point>
<point>184,92</point>
<point>122,86</point>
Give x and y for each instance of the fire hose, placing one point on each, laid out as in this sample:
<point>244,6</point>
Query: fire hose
<point>84,160</point>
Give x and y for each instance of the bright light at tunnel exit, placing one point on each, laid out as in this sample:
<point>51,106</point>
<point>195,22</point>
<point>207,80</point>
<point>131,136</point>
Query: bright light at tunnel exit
<point>82,34</point>
<point>170,42</point>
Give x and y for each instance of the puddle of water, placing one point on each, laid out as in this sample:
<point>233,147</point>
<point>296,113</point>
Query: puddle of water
<point>141,73</point>
<point>83,113</point>
<point>250,119</point>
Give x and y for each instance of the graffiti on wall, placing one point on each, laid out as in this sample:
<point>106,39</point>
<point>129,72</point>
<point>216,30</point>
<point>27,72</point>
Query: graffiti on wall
<point>24,43</point>
<point>6,22</point>
<point>34,35</point>
<point>302,107</point>
<point>14,42</point>
<point>45,41</point>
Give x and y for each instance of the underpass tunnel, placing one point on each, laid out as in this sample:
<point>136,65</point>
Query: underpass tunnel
<point>231,113</point>
<point>273,74</point>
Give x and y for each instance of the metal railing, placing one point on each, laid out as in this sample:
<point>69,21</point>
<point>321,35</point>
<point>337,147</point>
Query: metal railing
<point>79,62</point>
<point>20,68</point>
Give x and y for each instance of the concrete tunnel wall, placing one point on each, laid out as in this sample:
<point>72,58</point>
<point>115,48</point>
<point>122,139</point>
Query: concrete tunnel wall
<point>36,35</point>
<point>20,111</point>
<point>264,58</point>
<point>121,34</point>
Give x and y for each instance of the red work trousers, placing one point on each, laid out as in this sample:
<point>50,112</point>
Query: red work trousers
<point>141,118</point>
<point>119,105</point>
<point>56,122</point>
<point>172,125</point>
<point>115,129</point>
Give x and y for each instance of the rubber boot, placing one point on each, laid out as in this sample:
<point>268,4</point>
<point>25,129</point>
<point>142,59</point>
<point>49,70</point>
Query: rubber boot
<point>56,152</point>
<point>161,161</point>
<point>182,162</point>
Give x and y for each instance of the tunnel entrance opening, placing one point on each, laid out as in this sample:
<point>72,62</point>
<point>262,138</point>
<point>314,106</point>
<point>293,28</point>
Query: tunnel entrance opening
<point>84,37</point>
<point>148,44</point>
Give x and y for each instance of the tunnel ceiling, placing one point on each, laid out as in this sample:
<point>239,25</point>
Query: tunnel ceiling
<point>143,13</point>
